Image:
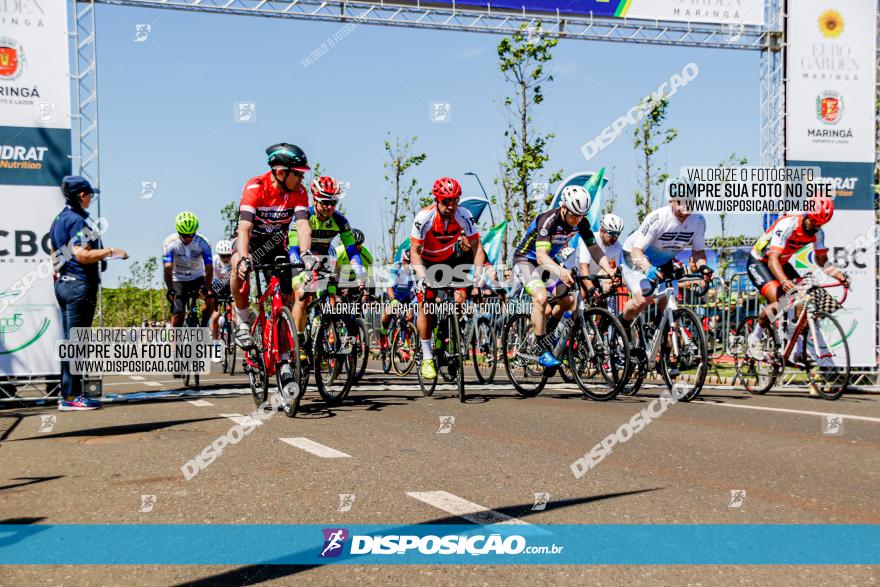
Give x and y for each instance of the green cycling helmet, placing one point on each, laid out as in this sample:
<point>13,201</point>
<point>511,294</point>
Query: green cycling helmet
<point>186,223</point>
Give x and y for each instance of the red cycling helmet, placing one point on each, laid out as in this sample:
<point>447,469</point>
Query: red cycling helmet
<point>325,188</point>
<point>822,212</point>
<point>446,188</point>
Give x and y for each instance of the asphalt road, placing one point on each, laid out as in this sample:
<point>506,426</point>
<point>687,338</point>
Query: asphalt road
<point>94,467</point>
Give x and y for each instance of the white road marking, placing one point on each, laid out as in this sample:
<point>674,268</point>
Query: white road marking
<point>803,412</point>
<point>200,403</point>
<point>136,377</point>
<point>242,420</point>
<point>325,452</point>
<point>458,506</point>
<point>152,384</point>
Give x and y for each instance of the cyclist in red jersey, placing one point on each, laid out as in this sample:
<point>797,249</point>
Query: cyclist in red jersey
<point>269,203</point>
<point>435,232</point>
<point>768,266</point>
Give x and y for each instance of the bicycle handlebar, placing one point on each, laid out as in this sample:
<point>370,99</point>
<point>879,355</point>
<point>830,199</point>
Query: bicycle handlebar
<point>706,287</point>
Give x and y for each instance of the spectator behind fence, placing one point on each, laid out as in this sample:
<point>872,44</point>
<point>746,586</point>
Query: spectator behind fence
<point>77,245</point>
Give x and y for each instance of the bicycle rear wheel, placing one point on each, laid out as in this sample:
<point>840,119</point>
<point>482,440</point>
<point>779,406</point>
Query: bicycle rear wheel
<point>520,360</point>
<point>335,360</point>
<point>758,377</point>
<point>689,356</point>
<point>485,351</point>
<point>599,354</point>
<point>827,357</point>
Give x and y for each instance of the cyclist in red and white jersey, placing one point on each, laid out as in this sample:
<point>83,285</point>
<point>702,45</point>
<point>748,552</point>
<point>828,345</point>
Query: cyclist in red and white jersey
<point>768,266</point>
<point>269,203</point>
<point>435,231</point>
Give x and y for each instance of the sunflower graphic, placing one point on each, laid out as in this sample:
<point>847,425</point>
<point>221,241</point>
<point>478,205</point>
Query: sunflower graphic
<point>831,24</point>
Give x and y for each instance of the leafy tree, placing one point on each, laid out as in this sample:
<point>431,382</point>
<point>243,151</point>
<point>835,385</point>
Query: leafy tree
<point>732,160</point>
<point>400,201</point>
<point>611,198</point>
<point>649,136</point>
<point>523,60</point>
<point>229,215</point>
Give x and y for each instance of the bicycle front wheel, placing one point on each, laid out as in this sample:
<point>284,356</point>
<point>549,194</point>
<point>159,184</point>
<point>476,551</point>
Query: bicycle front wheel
<point>827,356</point>
<point>485,351</point>
<point>287,354</point>
<point>520,359</point>
<point>599,354</point>
<point>456,355</point>
<point>757,376</point>
<point>363,342</point>
<point>335,354</point>
<point>404,343</point>
<point>684,357</point>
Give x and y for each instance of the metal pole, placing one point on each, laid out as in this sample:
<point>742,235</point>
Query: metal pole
<point>485,195</point>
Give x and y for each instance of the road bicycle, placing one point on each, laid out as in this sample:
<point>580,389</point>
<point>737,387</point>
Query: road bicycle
<point>192,319</point>
<point>226,331</point>
<point>822,350</point>
<point>276,352</point>
<point>480,335</point>
<point>591,339</point>
<point>450,353</point>
<point>332,341</point>
<point>404,342</point>
<point>675,345</point>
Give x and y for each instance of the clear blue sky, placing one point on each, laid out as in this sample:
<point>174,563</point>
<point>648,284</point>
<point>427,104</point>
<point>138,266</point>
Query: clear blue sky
<point>166,112</point>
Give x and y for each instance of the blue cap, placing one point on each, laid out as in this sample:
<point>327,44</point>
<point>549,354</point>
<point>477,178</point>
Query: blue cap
<point>74,184</point>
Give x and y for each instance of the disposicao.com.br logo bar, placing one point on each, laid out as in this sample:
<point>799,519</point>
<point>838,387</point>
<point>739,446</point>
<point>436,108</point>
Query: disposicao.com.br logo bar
<point>459,544</point>
<point>484,542</point>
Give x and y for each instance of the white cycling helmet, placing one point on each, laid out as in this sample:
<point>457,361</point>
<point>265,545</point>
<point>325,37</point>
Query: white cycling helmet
<point>223,247</point>
<point>612,223</point>
<point>576,199</point>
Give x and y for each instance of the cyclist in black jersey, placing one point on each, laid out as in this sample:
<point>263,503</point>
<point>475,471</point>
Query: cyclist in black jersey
<point>533,258</point>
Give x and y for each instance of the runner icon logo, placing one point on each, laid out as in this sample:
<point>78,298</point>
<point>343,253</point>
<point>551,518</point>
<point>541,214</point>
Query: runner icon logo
<point>832,426</point>
<point>334,538</point>
<point>737,498</point>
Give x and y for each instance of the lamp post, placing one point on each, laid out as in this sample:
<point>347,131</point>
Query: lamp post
<point>491,215</point>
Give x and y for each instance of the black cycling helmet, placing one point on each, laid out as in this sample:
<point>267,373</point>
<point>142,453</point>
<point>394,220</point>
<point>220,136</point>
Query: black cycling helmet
<point>288,156</point>
<point>358,236</point>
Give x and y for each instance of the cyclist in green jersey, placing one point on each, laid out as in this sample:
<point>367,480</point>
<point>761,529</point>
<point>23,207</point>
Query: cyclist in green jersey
<point>325,223</point>
<point>344,265</point>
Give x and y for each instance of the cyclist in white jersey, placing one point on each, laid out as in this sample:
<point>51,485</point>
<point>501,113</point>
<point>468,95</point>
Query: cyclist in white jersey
<point>220,286</point>
<point>608,235</point>
<point>649,252</point>
<point>188,267</point>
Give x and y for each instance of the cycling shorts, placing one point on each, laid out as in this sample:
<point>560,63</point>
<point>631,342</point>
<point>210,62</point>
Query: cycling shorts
<point>636,280</point>
<point>533,277</point>
<point>264,249</point>
<point>184,290</point>
<point>761,276</point>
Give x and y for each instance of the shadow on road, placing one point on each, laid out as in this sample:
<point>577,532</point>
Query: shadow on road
<point>120,429</point>
<point>27,481</point>
<point>253,574</point>
<point>369,403</point>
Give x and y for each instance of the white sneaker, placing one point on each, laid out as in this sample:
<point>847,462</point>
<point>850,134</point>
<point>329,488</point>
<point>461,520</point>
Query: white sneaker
<point>243,337</point>
<point>755,348</point>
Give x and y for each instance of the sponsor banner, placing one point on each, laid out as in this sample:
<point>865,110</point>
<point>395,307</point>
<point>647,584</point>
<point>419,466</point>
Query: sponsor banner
<point>729,12</point>
<point>34,156</point>
<point>280,544</point>
<point>851,183</point>
<point>831,74</point>
<point>31,324</point>
<point>34,63</point>
<point>855,257</point>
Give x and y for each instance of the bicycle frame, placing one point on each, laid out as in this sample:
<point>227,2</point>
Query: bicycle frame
<point>806,319</point>
<point>270,334</point>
